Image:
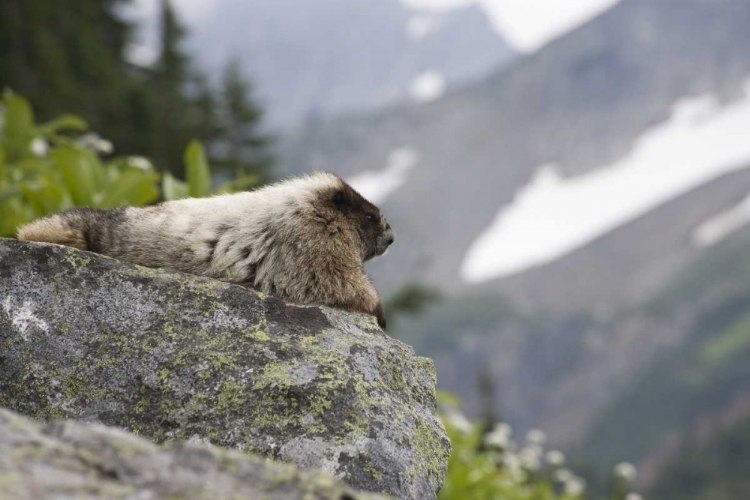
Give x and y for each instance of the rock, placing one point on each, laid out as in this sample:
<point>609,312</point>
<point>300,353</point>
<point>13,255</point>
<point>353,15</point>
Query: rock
<point>172,356</point>
<point>84,461</point>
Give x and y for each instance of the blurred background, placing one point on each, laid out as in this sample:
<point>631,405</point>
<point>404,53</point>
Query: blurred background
<point>569,182</point>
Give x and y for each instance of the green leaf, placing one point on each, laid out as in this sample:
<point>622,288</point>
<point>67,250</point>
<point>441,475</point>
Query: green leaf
<point>27,168</point>
<point>198,172</point>
<point>9,192</point>
<point>14,213</point>
<point>133,187</point>
<point>240,184</point>
<point>66,122</point>
<point>173,189</point>
<point>3,170</point>
<point>19,126</point>
<point>80,171</point>
<point>45,195</point>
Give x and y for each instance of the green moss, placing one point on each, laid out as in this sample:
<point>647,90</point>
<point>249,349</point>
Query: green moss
<point>276,375</point>
<point>393,371</point>
<point>141,406</point>
<point>428,366</point>
<point>260,333</point>
<point>366,322</point>
<point>219,360</point>
<point>230,395</point>
<point>432,455</point>
<point>372,472</point>
<point>309,341</point>
<point>76,259</point>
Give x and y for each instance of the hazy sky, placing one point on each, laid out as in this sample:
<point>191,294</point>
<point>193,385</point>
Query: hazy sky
<point>527,24</point>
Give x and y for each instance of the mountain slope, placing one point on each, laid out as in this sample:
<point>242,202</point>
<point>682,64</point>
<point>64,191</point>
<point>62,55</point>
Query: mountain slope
<point>556,370</point>
<point>316,58</point>
<point>694,390</point>
<point>580,102</point>
<point>712,470</point>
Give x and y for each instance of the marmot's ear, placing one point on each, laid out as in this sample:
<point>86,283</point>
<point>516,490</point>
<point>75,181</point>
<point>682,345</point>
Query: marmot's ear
<point>338,198</point>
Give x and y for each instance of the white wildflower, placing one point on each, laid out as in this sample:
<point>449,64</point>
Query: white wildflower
<point>39,147</point>
<point>625,471</point>
<point>633,496</point>
<point>512,465</point>
<point>94,142</point>
<point>140,162</point>
<point>536,436</point>
<point>105,146</point>
<point>531,458</point>
<point>555,458</point>
<point>457,420</point>
<point>503,428</point>
<point>499,437</point>
<point>497,440</point>
<point>574,486</point>
<point>562,475</point>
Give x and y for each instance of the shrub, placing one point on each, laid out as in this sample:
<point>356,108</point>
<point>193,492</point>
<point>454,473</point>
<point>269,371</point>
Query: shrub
<point>46,168</point>
<point>490,465</point>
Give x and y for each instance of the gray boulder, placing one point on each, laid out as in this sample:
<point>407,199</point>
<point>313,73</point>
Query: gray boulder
<point>171,356</point>
<point>65,460</point>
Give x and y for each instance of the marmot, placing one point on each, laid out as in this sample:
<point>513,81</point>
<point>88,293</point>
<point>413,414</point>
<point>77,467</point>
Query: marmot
<point>304,240</point>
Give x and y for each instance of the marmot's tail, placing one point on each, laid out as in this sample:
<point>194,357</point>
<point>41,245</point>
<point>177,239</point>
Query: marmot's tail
<point>59,228</point>
<point>82,228</point>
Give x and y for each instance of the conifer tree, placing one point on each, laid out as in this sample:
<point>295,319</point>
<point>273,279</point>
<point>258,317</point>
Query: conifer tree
<point>170,108</point>
<point>67,56</point>
<point>247,146</point>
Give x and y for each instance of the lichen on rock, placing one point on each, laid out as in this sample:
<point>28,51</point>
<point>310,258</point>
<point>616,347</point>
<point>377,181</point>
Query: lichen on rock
<point>84,461</point>
<point>171,356</point>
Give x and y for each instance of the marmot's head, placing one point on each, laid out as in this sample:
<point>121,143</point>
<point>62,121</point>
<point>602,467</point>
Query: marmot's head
<point>365,218</point>
<point>340,202</point>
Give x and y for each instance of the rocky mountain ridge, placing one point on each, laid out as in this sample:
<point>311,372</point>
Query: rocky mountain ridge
<point>580,103</point>
<point>324,57</point>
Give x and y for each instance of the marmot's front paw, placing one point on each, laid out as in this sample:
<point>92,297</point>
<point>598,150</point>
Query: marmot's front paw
<point>380,315</point>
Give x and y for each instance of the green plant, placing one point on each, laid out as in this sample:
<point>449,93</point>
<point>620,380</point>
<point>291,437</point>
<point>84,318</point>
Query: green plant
<point>197,182</point>
<point>57,165</point>
<point>44,169</point>
<point>491,465</point>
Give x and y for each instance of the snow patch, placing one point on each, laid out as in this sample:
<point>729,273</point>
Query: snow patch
<point>427,86</point>
<point>722,225</point>
<point>526,24</point>
<point>552,216</point>
<point>376,186</point>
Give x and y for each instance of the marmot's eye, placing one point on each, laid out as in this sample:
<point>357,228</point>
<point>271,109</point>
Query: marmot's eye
<point>370,218</point>
<point>338,198</point>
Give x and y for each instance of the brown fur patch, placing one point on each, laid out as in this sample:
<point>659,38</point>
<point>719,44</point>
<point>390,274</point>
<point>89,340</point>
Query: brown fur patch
<point>52,230</point>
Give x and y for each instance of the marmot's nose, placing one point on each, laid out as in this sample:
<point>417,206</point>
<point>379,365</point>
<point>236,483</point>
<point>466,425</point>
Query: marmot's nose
<point>391,240</point>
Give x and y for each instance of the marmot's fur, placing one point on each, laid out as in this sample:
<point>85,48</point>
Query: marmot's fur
<point>304,240</point>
